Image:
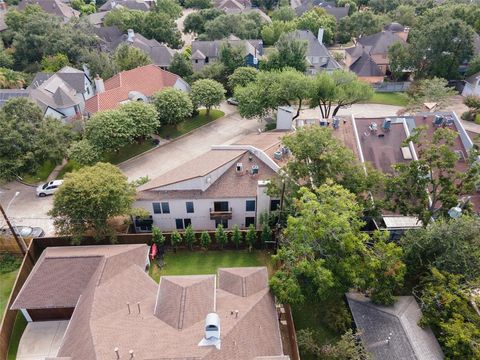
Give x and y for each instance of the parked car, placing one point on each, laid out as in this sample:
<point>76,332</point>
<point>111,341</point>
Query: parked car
<point>24,231</point>
<point>48,188</point>
<point>232,101</point>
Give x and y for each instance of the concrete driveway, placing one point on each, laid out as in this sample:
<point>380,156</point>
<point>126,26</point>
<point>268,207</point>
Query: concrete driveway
<point>26,209</point>
<point>41,339</point>
<point>186,38</point>
<point>164,158</point>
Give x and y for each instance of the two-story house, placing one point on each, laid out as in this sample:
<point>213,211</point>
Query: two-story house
<point>62,94</point>
<point>227,185</point>
<point>206,52</point>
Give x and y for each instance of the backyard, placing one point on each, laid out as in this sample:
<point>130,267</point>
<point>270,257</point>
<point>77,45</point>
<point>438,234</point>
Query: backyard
<point>172,131</point>
<point>185,262</point>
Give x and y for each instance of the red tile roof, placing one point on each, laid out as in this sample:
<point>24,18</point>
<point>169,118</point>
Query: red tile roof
<point>147,79</point>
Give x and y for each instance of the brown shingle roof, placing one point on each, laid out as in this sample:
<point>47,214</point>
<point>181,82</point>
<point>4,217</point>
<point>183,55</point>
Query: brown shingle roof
<point>184,300</point>
<point>244,281</point>
<point>147,79</point>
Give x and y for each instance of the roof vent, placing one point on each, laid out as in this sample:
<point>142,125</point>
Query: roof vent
<point>212,331</point>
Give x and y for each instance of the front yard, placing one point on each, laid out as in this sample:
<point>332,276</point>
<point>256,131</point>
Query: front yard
<point>172,132</point>
<point>185,262</point>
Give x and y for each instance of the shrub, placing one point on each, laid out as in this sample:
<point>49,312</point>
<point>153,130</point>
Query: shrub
<point>9,263</point>
<point>157,236</point>
<point>477,119</point>
<point>220,236</point>
<point>266,233</point>
<point>176,239</point>
<point>237,236</point>
<point>190,238</point>
<point>251,237</point>
<point>205,240</point>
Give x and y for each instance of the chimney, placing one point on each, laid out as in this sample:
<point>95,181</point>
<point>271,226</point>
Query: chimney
<point>131,35</point>
<point>320,35</point>
<point>99,85</point>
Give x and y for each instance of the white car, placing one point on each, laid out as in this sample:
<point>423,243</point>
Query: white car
<point>48,188</point>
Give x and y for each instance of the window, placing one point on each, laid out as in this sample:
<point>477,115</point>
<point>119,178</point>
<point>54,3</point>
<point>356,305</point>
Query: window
<point>223,222</point>
<point>156,208</point>
<point>187,222</point>
<point>165,208</point>
<point>250,205</point>
<point>274,205</point>
<point>249,220</point>
<point>206,60</point>
<point>196,61</point>
<point>220,206</point>
<point>189,206</point>
<point>179,224</point>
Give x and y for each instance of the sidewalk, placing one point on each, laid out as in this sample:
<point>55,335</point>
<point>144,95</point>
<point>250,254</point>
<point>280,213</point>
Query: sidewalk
<point>53,175</point>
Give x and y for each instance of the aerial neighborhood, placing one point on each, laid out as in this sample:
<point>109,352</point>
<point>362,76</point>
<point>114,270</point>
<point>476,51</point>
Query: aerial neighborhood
<point>239,179</point>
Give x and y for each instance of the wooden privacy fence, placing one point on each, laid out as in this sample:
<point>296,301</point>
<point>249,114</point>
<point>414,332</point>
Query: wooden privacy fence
<point>38,245</point>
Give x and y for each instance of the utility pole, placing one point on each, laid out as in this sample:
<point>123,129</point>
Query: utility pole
<point>20,241</point>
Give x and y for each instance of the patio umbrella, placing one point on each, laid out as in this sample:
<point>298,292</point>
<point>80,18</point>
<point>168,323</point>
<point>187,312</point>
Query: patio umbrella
<point>153,254</point>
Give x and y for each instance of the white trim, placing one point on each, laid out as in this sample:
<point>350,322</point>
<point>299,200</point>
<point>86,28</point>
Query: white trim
<point>255,151</point>
<point>26,315</point>
<point>359,146</point>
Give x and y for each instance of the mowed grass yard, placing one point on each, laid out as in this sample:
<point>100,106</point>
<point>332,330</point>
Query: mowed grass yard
<point>395,98</point>
<point>172,132</point>
<point>185,262</point>
<point>6,284</point>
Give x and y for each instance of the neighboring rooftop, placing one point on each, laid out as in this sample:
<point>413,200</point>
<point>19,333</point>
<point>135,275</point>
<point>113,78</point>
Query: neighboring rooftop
<point>214,174</point>
<point>392,333</point>
<point>120,306</point>
<point>337,12</point>
<point>129,4</point>
<point>7,94</point>
<point>211,49</point>
<point>54,7</point>
<point>378,44</point>
<point>147,80</point>
<point>316,49</point>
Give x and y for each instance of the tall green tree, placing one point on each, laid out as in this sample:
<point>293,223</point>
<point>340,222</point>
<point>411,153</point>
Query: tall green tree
<point>221,236</point>
<point>271,32</point>
<point>430,186</point>
<point>99,63</point>
<point>434,90</point>
<point>181,65</point>
<point>110,130</point>
<point>128,57</point>
<point>173,106</point>
<point>88,199</point>
<point>272,89</point>
<point>318,18</point>
<point>439,46</point>
<point>399,60</point>
<point>289,52</point>
<point>451,246</point>
<point>232,57</point>
<point>170,7</point>
<point>243,26</point>
<point>190,238</point>
<point>53,63</point>
<point>207,93</point>
<point>27,139</point>
<point>284,13</point>
<point>360,23</point>
<point>242,76</point>
<point>83,153</point>
<point>330,92</point>
<point>144,116</point>
<point>195,21</point>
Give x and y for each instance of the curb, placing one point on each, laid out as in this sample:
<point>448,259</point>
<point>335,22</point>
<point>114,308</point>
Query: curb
<point>174,140</point>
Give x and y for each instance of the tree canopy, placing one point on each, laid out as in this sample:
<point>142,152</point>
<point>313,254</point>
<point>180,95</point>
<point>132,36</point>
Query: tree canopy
<point>28,139</point>
<point>289,52</point>
<point>181,65</point>
<point>173,106</point>
<point>128,57</point>
<point>207,93</point>
<point>89,198</point>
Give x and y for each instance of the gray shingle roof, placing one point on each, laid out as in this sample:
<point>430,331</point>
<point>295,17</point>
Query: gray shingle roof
<point>337,12</point>
<point>398,323</point>
<point>7,94</point>
<point>129,4</point>
<point>380,42</point>
<point>54,7</point>
<point>39,79</point>
<point>201,49</point>
<point>365,66</point>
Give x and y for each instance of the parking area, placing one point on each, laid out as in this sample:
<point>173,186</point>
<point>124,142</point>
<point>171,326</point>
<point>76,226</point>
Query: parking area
<point>41,339</point>
<point>26,209</point>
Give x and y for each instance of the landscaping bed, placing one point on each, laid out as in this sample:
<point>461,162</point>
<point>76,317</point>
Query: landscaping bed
<point>41,174</point>
<point>172,132</point>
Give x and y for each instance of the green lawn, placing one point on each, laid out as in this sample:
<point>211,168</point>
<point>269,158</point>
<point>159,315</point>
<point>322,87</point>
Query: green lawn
<point>41,174</point>
<point>6,285</point>
<point>19,327</point>
<point>186,262</point>
<point>191,124</point>
<point>396,98</point>
<point>128,152</point>
<point>115,158</point>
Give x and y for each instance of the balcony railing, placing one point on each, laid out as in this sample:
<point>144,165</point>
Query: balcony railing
<point>226,215</point>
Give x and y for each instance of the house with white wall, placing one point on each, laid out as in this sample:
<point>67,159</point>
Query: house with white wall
<point>227,185</point>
